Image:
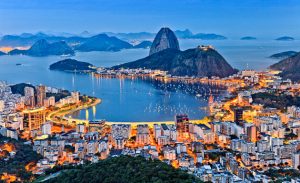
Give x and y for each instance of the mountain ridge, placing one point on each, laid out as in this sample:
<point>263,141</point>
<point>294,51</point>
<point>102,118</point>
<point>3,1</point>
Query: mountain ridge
<point>289,67</point>
<point>44,48</point>
<point>197,62</point>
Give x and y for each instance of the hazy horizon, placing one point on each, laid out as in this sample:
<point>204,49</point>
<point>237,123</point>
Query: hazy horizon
<point>229,18</point>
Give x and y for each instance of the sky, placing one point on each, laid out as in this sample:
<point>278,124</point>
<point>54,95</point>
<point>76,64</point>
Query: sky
<point>226,17</point>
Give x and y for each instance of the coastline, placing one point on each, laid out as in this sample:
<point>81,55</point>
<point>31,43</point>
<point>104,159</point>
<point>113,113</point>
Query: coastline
<point>58,116</point>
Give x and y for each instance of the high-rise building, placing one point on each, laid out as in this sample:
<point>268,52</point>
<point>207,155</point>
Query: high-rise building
<point>80,128</point>
<point>50,101</point>
<point>40,95</point>
<point>252,133</point>
<point>33,119</point>
<point>238,115</point>
<point>75,97</point>
<point>182,125</point>
<point>29,96</point>
<point>46,128</point>
<point>142,136</point>
<point>1,105</point>
<point>296,160</point>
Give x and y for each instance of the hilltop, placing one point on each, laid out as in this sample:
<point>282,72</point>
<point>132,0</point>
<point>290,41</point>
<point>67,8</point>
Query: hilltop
<point>203,61</point>
<point>165,39</point>
<point>71,65</point>
<point>283,55</point>
<point>103,42</point>
<point>290,67</point>
<point>199,62</point>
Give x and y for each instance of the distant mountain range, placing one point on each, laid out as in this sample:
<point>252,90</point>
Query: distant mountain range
<point>44,48</point>
<point>2,53</point>
<point>143,44</point>
<point>181,34</point>
<point>290,67</point>
<point>100,42</point>
<point>28,39</point>
<point>203,61</point>
<point>103,42</point>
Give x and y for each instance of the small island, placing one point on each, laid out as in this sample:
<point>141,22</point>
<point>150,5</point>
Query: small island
<point>72,65</point>
<point>283,55</point>
<point>285,38</point>
<point>248,38</point>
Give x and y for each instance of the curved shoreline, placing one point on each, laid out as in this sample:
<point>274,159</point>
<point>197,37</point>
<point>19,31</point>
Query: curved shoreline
<point>62,112</point>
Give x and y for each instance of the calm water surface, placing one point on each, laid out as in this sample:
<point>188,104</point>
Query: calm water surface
<point>137,100</point>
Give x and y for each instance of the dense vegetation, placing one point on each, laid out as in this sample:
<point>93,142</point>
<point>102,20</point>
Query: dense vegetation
<point>275,101</point>
<point>192,62</point>
<point>125,169</point>
<point>290,67</point>
<point>282,173</point>
<point>19,88</point>
<point>71,65</point>
<point>16,165</point>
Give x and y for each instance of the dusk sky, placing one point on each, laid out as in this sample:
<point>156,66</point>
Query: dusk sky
<point>230,18</point>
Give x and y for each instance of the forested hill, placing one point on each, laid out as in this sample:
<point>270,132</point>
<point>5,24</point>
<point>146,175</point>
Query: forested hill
<point>125,169</point>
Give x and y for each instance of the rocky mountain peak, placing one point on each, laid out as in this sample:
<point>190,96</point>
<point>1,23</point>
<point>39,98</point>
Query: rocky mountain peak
<point>164,39</point>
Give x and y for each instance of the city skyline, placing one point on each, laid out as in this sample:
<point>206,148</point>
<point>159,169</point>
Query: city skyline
<point>161,91</point>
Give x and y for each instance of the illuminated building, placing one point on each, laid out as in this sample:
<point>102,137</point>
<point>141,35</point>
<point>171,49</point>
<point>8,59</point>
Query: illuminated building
<point>263,145</point>
<point>238,115</point>
<point>163,140</point>
<point>75,97</point>
<point>182,125</point>
<point>157,131</point>
<point>122,130</point>
<point>119,142</point>
<point>252,133</point>
<point>142,136</point>
<point>29,96</point>
<point>33,119</point>
<point>49,101</point>
<point>169,153</point>
<point>1,105</point>
<point>296,160</point>
<point>95,125</point>
<point>46,128</point>
<point>40,95</point>
<point>203,132</point>
<point>80,128</point>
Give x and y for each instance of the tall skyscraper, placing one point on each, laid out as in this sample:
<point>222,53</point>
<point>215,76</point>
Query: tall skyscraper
<point>252,133</point>
<point>29,96</point>
<point>182,125</point>
<point>238,115</point>
<point>40,95</point>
